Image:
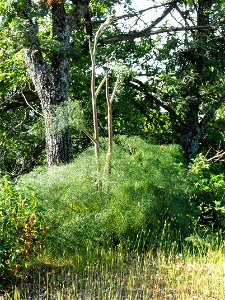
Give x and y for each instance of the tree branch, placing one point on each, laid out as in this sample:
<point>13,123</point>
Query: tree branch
<point>17,100</point>
<point>184,15</point>
<point>148,32</point>
<point>138,13</point>
<point>142,87</point>
<point>31,107</point>
<point>145,31</point>
<point>88,135</point>
<point>219,156</point>
<point>211,113</point>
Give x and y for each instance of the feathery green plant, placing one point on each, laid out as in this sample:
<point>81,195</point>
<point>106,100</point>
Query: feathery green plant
<point>149,190</point>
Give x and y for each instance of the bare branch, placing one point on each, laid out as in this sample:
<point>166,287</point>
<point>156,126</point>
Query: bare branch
<point>34,110</point>
<point>211,113</point>
<point>100,85</point>
<point>142,87</point>
<point>17,100</point>
<point>138,13</point>
<point>115,88</point>
<point>183,16</point>
<point>148,32</point>
<point>88,135</point>
<point>219,156</point>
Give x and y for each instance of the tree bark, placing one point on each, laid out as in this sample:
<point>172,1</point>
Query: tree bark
<point>193,125</point>
<point>52,84</point>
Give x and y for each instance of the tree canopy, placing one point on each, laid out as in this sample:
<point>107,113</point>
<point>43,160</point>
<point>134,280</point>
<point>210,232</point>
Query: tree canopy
<point>172,89</point>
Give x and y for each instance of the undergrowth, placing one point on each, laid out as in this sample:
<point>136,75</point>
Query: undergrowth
<point>127,234</point>
<point>21,230</point>
<point>117,274</point>
<point>146,194</point>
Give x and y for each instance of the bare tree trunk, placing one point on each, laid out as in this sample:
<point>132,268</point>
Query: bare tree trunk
<point>110,130</point>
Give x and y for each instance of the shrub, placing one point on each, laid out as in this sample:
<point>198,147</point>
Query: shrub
<point>148,187</point>
<point>149,192</point>
<point>21,232</point>
<point>209,197</point>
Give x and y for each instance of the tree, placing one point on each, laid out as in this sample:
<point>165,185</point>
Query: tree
<point>52,38</point>
<point>48,68</point>
<point>48,59</point>
<point>189,83</point>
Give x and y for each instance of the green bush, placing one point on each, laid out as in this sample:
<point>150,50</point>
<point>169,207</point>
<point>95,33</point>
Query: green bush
<point>209,197</point>
<point>150,189</point>
<point>21,233</point>
<point>146,192</point>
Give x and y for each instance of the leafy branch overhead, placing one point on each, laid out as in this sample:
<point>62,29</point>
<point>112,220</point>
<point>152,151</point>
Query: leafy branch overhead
<point>45,45</point>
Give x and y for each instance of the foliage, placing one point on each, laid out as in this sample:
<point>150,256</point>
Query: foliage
<point>166,63</point>
<point>182,85</point>
<point>210,193</point>
<point>20,148</point>
<point>152,196</point>
<point>21,231</point>
<point>146,193</point>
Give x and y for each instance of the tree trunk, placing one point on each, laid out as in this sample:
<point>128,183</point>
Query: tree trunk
<point>57,132</point>
<point>52,84</point>
<point>193,125</point>
<point>191,139</point>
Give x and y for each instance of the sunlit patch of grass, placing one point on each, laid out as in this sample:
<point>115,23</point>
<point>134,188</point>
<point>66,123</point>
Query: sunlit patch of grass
<point>118,274</point>
<point>98,239</point>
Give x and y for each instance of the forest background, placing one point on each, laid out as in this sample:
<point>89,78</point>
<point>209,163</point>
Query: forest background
<point>146,88</point>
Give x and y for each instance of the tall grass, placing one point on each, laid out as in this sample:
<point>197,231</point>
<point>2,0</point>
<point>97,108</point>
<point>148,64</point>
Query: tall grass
<point>120,236</point>
<point>118,274</point>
